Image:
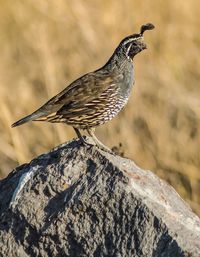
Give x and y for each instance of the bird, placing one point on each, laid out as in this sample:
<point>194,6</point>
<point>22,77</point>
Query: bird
<point>98,96</point>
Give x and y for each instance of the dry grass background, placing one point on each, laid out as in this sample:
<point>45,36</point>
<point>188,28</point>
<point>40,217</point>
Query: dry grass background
<point>47,44</point>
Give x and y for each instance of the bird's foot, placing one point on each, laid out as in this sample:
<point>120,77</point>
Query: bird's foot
<point>97,144</point>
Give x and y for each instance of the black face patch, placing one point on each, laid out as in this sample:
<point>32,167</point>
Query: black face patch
<point>134,47</point>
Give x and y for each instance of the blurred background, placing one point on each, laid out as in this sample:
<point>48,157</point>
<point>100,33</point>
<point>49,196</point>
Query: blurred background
<point>45,45</point>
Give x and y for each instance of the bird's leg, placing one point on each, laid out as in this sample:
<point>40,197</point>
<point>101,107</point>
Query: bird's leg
<point>97,142</point>
<point>78,133</point>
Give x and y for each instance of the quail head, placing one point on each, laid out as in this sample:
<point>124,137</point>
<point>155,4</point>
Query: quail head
<point>98,96</point>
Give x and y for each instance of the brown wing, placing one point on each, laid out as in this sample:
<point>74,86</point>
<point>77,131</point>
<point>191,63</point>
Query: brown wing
<point>82,97</point>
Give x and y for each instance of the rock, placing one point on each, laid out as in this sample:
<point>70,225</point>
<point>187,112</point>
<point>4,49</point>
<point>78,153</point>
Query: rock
<point>80,201</point>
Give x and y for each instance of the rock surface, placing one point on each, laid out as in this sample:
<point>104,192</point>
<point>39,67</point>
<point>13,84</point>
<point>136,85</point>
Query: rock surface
<point>80,201</point>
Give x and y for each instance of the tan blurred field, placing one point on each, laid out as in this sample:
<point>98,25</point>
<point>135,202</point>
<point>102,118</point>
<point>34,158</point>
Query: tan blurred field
<point>45,45</point>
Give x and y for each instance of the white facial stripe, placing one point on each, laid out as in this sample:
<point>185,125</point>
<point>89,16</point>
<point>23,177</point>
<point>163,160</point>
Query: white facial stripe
<point>131,40</point>
<point>128,51</point>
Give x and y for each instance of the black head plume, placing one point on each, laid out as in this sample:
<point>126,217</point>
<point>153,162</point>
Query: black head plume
<point>148,26</point>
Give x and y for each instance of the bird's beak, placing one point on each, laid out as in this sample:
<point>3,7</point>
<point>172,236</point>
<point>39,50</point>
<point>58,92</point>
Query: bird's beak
<point>142,44</point>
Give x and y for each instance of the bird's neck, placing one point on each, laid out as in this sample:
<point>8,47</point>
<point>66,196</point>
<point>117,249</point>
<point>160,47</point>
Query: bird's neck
<point>119,61</point>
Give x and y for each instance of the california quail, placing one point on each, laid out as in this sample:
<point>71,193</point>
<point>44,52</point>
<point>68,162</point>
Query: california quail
<point>98,96</point>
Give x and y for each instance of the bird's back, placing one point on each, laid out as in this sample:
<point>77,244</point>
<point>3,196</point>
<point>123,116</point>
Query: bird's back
<point>92,99</point>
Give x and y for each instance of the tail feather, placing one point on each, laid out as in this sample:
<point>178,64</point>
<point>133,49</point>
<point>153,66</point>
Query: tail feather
<point>30,117</point>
